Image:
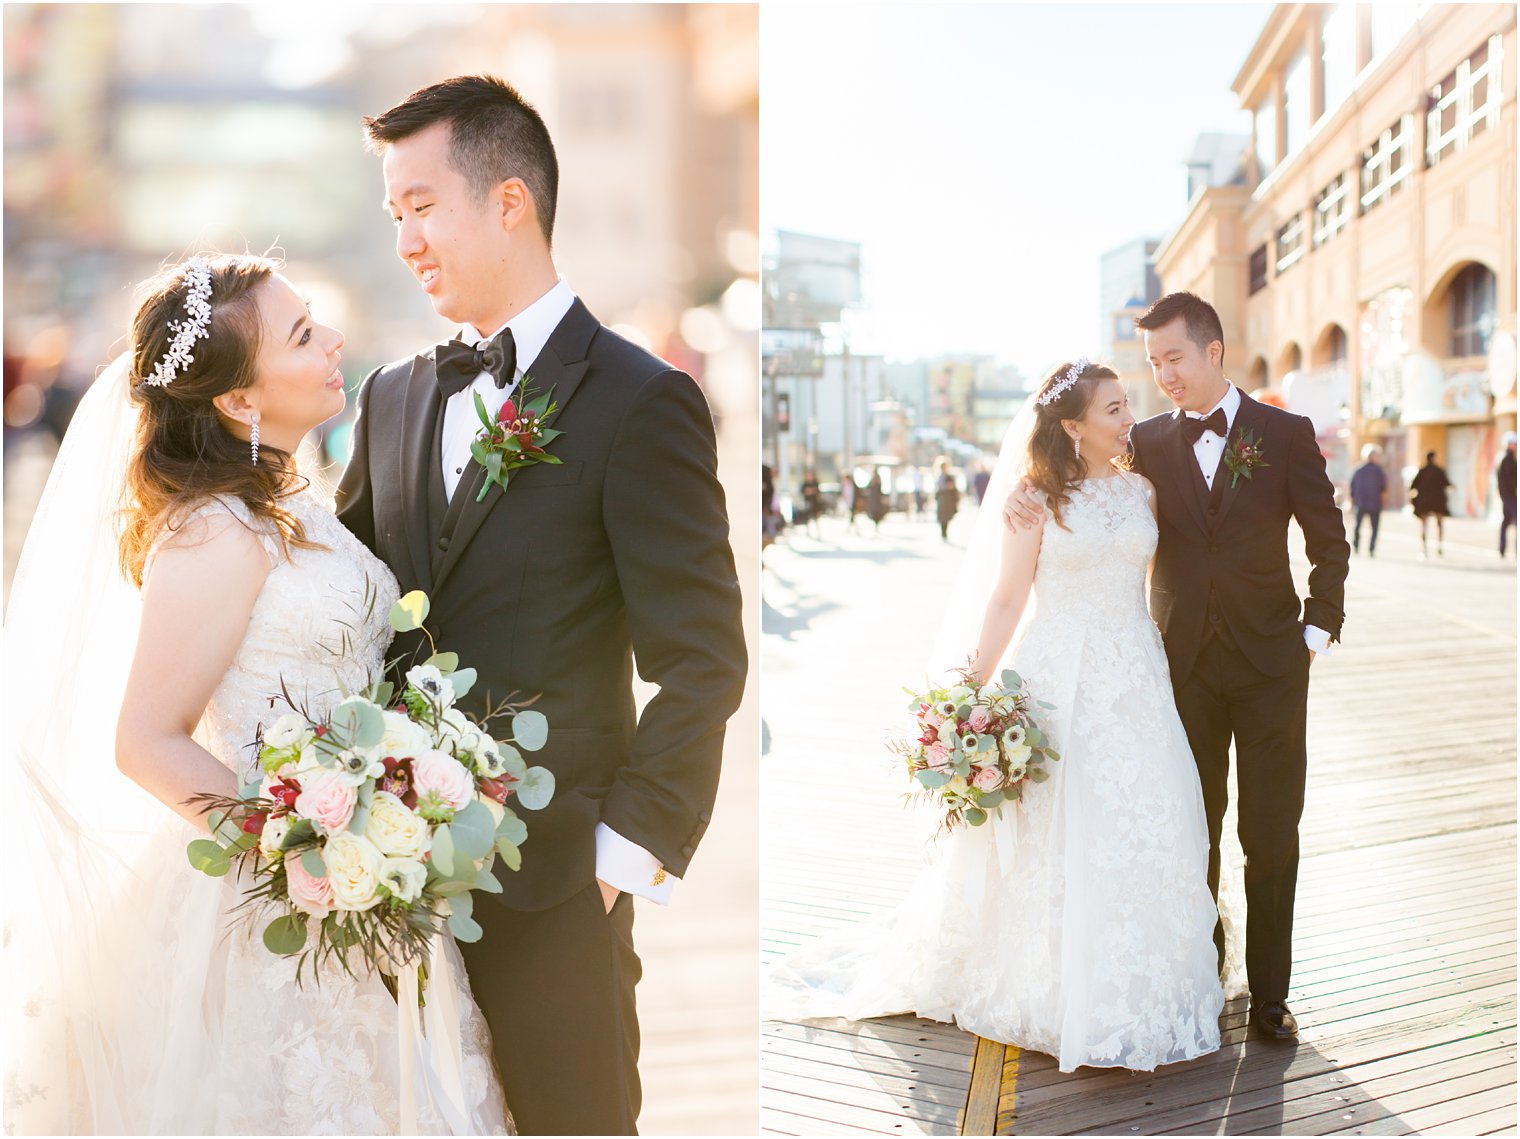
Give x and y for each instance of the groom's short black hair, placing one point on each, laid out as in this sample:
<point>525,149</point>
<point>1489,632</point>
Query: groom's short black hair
<point>1203,327</point>
<point>495,134</point>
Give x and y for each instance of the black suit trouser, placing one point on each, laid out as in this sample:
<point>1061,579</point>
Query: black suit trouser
<point>557,990</point>
<point>1227,696</point>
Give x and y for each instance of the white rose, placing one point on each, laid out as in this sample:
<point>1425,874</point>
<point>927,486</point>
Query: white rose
<point>498,812</point>
<point>961,694</point>
<point>426,678</point>
<point>274,834</point>
<point>403,739</point>
<point>395,829</point>
<point>403,877</point>
<point>353,869</point>
<point>1019,756</point>
<point>289,729</point>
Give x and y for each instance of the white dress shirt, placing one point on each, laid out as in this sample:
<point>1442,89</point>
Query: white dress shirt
<point>1209,451</point>
<point>619,862</point>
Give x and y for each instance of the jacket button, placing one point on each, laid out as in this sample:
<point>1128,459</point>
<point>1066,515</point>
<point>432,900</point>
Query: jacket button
<point>705,816</point>
<point>443,543</point>
<point>688,851</point>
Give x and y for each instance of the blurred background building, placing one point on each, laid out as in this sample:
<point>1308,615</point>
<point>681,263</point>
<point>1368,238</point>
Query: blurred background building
<point>138,133</point>
<point>1364,268</point>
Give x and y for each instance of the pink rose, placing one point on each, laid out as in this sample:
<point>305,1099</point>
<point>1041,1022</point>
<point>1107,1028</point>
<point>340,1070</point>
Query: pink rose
<point>981,718</point>
<point>327,800</point>
<point>439,777</point>
<point>939,756</point>
<point>987,780</point>
<point>313,895</point>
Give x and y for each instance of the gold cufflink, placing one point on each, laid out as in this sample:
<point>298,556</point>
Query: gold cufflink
<point>659,877</point>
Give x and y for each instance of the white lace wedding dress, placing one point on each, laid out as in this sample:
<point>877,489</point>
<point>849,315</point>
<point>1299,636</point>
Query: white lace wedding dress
<point>214,1035</point>
<point>1085,930</point>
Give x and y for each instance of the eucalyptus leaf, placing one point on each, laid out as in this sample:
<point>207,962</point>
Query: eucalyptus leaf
<point>451,887</point>
<point>486,881</point>
<point>207,856</point>
<point>443,851</point>
<point>1038,774</point>
<point>301,831</point>
<point>385,692</point>
<point>511,828</point>
<point>512,761</point>
<point>358,722</point>
<point>530,729</point>
<point>463,680</point>
<point>510,855</point>
<point>932,779</point>
<point>1011,680</point>
<point>411,611</point>
<point>464,927</point>
<point>443,662</point>
<point>285,935</point>
<point>463,905</point>
<point>473,830</point>
<point>536,788</point>
<point>975,816</point>
<point>314,864</point>
<point>214,820</point>
<point>1014,793</point>
<point>359,822</point>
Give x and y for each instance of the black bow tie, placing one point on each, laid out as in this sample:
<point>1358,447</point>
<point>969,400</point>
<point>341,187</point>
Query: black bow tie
<point>457,363</point>
<point>1194,428</point>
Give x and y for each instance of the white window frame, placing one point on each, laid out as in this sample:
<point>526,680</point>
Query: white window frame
<point>1290,234</point>
<point>1468,117</point>
<point>1332,209</point>
<point>1395,139</point>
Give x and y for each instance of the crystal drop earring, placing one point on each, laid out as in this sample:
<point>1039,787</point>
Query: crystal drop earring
<point>253,440</point>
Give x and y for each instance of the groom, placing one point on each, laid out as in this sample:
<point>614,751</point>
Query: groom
<point>553,586</point>
<point>1229,473</point>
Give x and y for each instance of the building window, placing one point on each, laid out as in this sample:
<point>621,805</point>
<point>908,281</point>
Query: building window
<point>1290,242</point>
<point>1465,103</point>
<point>1296,104</point>
<point>1332,209</point>
<point>1258,269</point>
<point>1338,57</point>
<point>1473,311</point>
<point>1385,162</point>
<point>1266,136</point>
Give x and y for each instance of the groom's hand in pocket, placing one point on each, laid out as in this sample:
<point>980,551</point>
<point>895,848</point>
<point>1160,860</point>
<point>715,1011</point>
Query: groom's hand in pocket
<point>1024,508</point>
<point>609,895</point>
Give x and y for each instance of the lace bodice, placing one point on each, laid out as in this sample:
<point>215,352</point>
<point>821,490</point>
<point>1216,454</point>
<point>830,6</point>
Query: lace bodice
<point>1092,569</point>
<point>319,625</point>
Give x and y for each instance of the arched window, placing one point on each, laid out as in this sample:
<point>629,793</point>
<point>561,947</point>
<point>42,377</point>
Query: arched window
<point>1473,304</point>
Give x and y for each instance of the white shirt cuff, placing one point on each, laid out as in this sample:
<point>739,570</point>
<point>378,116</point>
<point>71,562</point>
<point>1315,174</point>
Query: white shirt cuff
<point>1317,639</point>
<point>629,867</point>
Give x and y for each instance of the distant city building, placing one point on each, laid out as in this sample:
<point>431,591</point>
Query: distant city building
<point>1366,273</point>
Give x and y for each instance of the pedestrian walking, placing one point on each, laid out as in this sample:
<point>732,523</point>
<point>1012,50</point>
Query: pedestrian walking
<point>980,480</point>
<point>1369,492</point>
<point>856,494</point>
<point>770,519</point>
<point>947,498</point>
<point>1506,480</point>
<point>876,501</point>
<point>812,500</point>
<point>1429,486</point>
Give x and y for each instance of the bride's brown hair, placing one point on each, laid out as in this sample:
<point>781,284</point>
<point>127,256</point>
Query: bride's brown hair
<point>1054,467</point>
<point>183,452</point>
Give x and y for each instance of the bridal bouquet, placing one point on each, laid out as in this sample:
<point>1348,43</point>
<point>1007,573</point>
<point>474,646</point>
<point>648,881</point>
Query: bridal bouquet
<point>370,828</point>
<point>978,746</point>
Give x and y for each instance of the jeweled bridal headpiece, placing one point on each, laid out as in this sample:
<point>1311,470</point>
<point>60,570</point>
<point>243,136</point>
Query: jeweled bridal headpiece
<point>195,326</point>
<point>1068,377</point>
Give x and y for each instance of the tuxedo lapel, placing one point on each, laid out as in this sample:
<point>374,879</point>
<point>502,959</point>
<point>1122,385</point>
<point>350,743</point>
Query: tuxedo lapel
<point>1247,418</point>
<point>421,411</point>
<point>560,367</point>
<point>1184,468</point>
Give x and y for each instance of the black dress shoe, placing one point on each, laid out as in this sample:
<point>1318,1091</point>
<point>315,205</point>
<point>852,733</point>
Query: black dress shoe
<point>1273,1021</point>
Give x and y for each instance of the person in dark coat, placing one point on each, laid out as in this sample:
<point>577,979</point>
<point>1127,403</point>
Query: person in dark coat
<point>1507,489</point>
<point>812,499</point>
<point>876,500</point>
<point>947,499</point>
<point>1429,486</point>
<point>1369,491</point>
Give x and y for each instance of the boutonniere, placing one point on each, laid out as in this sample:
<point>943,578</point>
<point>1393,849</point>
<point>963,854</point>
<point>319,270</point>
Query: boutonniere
<point>1243,456</point>
<point>516,438</point>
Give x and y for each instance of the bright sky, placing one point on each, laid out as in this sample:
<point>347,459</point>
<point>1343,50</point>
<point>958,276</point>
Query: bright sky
<point>986,156</point>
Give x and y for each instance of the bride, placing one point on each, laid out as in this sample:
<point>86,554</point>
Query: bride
<point>1078,923</point>
<point>136,1003</point>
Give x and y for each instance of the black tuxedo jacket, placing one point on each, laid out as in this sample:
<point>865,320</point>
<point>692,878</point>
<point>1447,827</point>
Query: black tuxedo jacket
<point>551,587</point>
<point>1225,553</point>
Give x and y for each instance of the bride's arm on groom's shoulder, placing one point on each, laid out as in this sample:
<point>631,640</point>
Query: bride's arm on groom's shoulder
<point>355,496</point>
<point>664,515</point>
<point>1020,552</point>
<point>197,598</point>
<point>1311,497</point>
